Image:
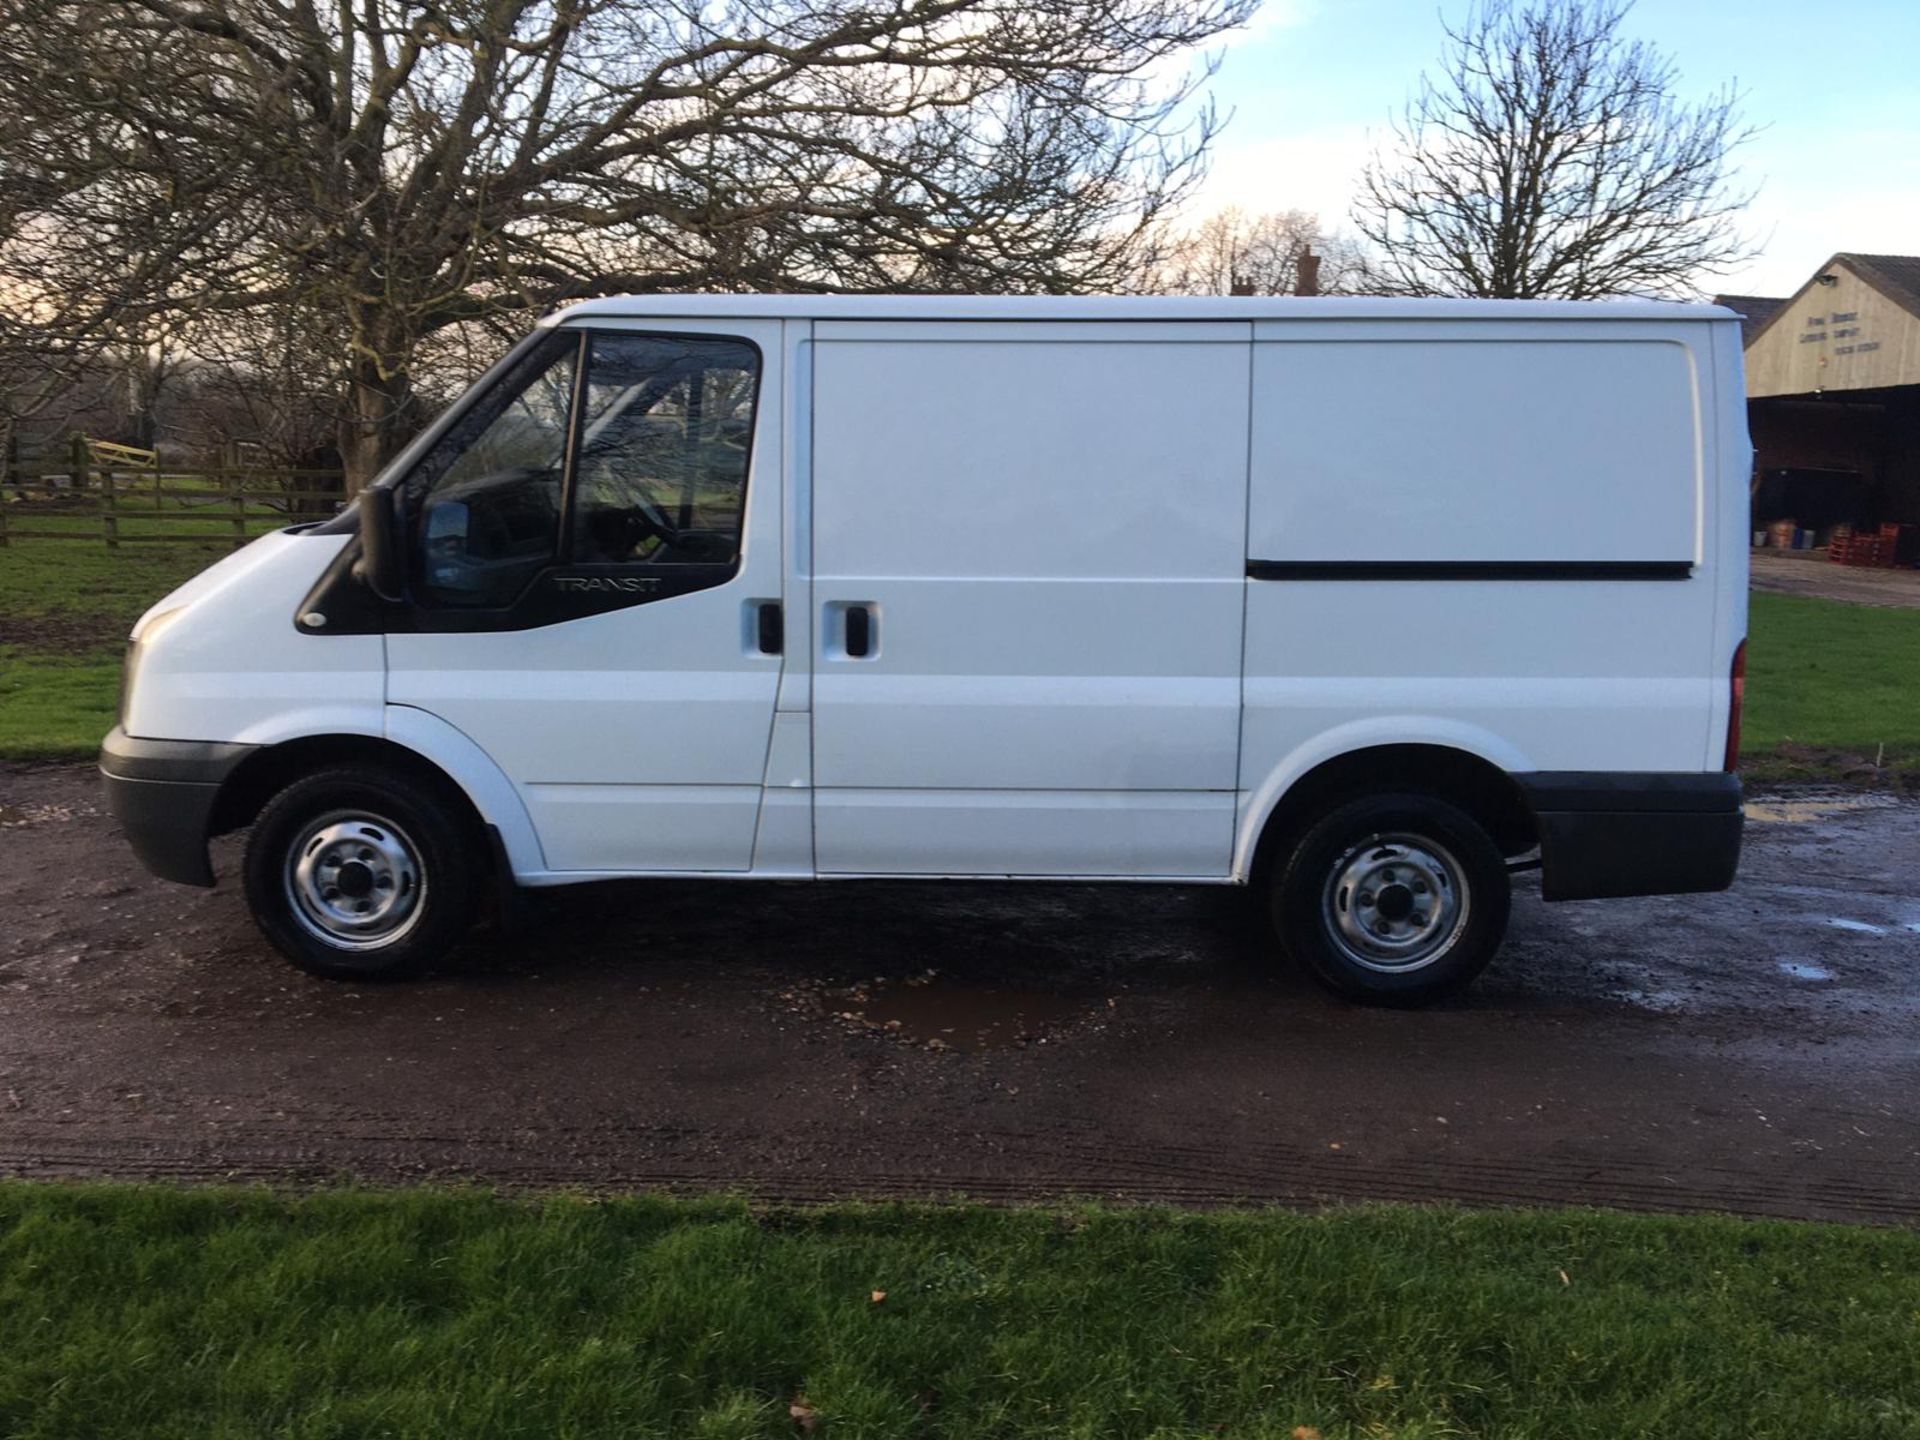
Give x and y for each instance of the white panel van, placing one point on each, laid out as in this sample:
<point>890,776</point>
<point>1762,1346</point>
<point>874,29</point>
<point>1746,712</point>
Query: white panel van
<point>1367,604</point>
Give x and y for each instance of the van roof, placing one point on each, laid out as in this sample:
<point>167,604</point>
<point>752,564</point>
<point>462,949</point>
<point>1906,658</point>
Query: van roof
<point>1120,307</point>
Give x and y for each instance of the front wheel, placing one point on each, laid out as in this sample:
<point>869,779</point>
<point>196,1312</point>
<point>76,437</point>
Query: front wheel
<point>360,872</point>
<point>1396,899</point>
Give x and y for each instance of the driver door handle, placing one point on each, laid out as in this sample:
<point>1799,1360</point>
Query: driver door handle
<point>771,628</point>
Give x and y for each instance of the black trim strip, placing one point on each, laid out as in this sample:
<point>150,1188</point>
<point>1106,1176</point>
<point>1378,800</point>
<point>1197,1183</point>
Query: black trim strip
<point>1701,792</point>
<point>1469,569</point>
<point>197,762</point>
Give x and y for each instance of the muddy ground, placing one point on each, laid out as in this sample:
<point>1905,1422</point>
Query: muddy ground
<point>1755,1051</point>
<point>1810,572</point>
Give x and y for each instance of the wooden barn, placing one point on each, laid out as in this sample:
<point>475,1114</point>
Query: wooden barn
<point>1833,387</point>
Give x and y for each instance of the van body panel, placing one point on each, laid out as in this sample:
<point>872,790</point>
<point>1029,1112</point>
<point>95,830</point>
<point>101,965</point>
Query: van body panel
<point>1153,834</point>
<point>479,777</point>
<point>1577,463</point>
<point>1349,736</point>
<point>796,511</point>
<point>783,846</point>
<point>636,738</point>
<point>1725,529</point>
<point>985,705</point>
<point>1045,531</point>
<point>1555,447</point>
<point>233,667</point>
<point>1122,309</point>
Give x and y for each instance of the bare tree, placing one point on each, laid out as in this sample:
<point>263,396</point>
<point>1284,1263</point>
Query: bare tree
<point>405,167</point>
<point>1552,159</point>
<point>263,383</point>
<point>77,264</point>
<point>1256,254</point>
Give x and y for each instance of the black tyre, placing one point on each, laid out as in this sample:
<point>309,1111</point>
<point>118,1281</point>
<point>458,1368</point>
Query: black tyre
<point>1393,899</point>
<point>363,872</point>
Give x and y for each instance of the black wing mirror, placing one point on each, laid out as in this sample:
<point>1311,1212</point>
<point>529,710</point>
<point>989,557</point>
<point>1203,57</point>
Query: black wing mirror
<point>382,566</point>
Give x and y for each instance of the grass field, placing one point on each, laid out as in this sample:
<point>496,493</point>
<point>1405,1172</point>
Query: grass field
<point>65,609</point>
<point>1833,690</point>
<point>157,1312</point>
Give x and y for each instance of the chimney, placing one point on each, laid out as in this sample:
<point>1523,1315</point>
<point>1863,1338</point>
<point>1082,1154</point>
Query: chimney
<point>1307,272</point>
<point>1240,285</point>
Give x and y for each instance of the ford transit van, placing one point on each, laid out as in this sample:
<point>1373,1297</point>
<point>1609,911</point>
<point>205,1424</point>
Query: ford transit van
<point>1367,604</point>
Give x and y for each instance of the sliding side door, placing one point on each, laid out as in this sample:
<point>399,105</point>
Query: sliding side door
<point>1028,554</point>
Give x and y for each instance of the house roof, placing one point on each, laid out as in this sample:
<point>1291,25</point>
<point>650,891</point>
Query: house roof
<point>1754,311</point>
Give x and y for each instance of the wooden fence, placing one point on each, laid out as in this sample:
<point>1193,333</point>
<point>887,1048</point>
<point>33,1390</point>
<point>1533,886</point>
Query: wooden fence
<point>113,496</point>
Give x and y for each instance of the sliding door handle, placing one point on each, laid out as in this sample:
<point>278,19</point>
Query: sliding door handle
<point>859,631</point>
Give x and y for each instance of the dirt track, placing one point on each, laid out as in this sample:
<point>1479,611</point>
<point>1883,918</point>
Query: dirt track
<point>1810,572</point>
<point>1755,1051</point>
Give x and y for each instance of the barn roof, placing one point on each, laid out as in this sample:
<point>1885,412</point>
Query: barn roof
<point>1895,276</point>
<point>1754,311</point>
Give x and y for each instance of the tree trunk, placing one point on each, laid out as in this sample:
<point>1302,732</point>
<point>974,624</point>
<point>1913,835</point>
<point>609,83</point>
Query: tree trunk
<point>377,421</point>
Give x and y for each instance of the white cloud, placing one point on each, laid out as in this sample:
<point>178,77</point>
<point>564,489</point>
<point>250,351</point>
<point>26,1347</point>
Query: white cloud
<point>1316,171</point>
<point>1861,195</point>
<point>1812,202</point>
<point>1271,17</point>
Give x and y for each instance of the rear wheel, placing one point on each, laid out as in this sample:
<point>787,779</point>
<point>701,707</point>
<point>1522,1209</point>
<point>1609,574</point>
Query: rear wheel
<point>1396,899</point>
<point>362,871</point>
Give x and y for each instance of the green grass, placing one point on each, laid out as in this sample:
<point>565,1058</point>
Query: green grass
<point>1833,690</point>
<point>58,578</point>
<point>156,1312</point>
<point>53,707</point>
<point>65,609</point>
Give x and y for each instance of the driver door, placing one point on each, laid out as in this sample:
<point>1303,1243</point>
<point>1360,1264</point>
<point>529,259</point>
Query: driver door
<point>594,545</point>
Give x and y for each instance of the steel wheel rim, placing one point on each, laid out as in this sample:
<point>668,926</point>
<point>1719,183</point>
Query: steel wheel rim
<point>1395,903</point>
<point>354,881</point>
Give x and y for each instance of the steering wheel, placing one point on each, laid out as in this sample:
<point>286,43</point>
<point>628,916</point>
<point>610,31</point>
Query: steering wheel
<point>656,520</point>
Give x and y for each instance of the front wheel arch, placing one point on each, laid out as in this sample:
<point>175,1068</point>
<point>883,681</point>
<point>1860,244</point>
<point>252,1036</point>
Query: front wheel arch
<point>272,768</point>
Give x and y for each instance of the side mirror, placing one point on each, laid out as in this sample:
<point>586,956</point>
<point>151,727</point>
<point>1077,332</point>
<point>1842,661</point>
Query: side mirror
<point>383,563</point>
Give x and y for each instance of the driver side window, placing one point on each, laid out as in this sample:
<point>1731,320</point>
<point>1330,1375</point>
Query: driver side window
<point>486,499</point>
<point>648,455</point>
<point>666,423</point>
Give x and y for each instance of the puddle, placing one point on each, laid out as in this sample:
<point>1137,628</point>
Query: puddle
<point>1858,927</point>
<point>945,1014</point>
<point>1805,972</point>
<point>1811,807</point>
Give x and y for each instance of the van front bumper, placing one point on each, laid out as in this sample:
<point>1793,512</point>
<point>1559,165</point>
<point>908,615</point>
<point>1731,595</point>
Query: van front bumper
<point>163,792</point>
<point>1611,833</point>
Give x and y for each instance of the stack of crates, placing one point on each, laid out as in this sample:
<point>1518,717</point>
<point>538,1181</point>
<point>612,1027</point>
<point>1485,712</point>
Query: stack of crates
<point>1876,551</point>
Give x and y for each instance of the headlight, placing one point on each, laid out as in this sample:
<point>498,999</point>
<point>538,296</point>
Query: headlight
<point>149,626</point>
<point>143,636</point>
<point>128,666</point>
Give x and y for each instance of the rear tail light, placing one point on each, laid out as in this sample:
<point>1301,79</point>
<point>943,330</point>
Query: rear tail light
<point>1737,682</point>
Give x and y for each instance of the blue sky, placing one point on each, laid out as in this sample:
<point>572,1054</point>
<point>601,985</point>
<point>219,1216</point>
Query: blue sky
<point>1835,86</point>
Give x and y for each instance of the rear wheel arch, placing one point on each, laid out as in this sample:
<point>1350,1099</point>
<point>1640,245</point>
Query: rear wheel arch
<point>1469,782</point>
